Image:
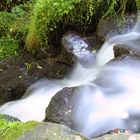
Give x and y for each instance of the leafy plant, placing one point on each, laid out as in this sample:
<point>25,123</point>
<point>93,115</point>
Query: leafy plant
<point>6,19</point>
<point>13,29</point>
<point>8,47</point>
<point>18,10</point>
<point>28,66</point>
<point>46,15</point>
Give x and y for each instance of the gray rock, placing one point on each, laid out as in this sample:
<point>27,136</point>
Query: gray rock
<point>51,131</point>
<point>93,41</point>
<point>19,72</point>
<point>81,49</point>
<point>8,118</point>
<point>61,107</point>
<point>119,137</point>
<point>114,26</point>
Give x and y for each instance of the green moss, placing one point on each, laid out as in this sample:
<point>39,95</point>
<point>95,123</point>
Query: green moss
<point>13,130</point>
<point>46,14</point>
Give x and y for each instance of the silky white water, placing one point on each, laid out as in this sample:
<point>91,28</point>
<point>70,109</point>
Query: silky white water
<point>108,96</point>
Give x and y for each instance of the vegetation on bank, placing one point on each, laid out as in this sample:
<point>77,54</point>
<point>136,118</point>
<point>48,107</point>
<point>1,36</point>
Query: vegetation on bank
<point>34,24</point>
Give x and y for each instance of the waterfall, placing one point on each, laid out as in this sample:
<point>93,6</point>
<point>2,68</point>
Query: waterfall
<point>108,94</point>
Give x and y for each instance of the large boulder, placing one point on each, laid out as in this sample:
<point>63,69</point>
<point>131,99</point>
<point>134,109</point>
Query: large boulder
<point>19,72</point>
<point>60,108</point>
<point>51,131</point>
<point>82,48</point>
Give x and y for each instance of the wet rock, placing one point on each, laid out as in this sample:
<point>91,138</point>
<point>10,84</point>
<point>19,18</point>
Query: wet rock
<point>61,107</point>
<point>114,26</point>
<point>51,131</point>
<point>119,137</point>
<point>8,118</point>
<point>81,49</point>
<point>126,60</point>
<point>94,42</point>
<point>20,72</point>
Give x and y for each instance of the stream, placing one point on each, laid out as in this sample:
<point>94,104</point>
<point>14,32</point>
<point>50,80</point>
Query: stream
<point>108,91</point>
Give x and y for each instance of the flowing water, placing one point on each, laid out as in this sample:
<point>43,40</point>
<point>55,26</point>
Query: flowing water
<point>108,96</point>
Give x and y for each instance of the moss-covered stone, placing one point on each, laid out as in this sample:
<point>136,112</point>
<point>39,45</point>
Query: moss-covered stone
<point>12,130</point>
<point>36,131</point>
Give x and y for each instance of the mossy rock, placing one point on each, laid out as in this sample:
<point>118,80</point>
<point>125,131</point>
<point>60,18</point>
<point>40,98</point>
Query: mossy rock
<point>13,130</point>
<point>36,131</point>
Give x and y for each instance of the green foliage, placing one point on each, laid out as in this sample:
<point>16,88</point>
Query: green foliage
<point>13,130</point>
<point>138,4</point>
<point>35,22</point>
<point>6,5</point>
<point>18,10</point>
<point>15,20</point>
<point>46,15</point>
<point>8,47</point>
<point>28,66</point>
<point>6,19</point>
<point>13,29</point>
